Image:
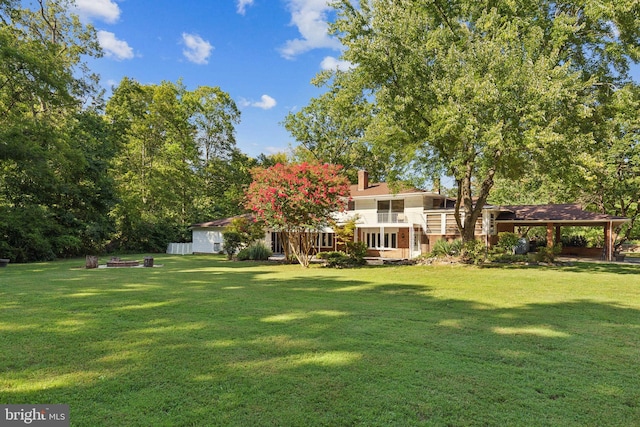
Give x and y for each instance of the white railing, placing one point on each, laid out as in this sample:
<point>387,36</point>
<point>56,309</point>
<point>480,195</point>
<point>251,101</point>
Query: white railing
<point>392,218</point>
<point>180,248</point>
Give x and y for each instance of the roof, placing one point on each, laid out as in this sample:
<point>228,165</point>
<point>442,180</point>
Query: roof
<point>223,222</point>
<point>553,213</point>
<point>381,189</point>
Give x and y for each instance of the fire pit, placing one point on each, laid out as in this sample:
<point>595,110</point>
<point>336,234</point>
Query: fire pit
<point>117,262</point>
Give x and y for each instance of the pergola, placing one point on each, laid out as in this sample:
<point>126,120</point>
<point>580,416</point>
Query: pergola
<point>553,217</point>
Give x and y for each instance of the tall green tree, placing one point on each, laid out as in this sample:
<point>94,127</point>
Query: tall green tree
<point>214,115</point>
<point>156,162</point>
<point>225,182</point>
<point>607,178</point>
<point>223,170</point>
<point>484,90</point>
<point>44,89</point>
<point>331,128</point>
<point>177,162</point>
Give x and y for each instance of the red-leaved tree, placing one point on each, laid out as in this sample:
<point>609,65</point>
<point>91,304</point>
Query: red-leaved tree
<point>297,201</point>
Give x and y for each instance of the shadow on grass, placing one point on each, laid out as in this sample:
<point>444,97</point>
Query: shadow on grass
<point>581,267</point>
<point>206,343</point>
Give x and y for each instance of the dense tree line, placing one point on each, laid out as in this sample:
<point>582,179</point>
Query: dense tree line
<point>176,163</point>
<point>530,96</point>
<point>78,175</point>
<point>527,101</point>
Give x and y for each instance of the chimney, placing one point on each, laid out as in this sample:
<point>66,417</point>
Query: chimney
<point>363,180</point>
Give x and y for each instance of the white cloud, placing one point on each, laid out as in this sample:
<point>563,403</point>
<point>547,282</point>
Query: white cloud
<point>198,50</point>
<point>310,16</point>
<point>105,10</point>
<point>114,48</point>
<point>266,102</point>
<point>242,6</point>
<point>331,63</point>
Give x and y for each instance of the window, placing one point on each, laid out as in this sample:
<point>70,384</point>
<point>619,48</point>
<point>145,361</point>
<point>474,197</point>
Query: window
<point>382,240</point>
<point>391,211</point>
<point>384,206</point>
<point>389,206</point>
<point>324,240</point>
<point>276,243</point>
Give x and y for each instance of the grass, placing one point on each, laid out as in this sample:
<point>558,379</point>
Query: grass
<point>204,341</point>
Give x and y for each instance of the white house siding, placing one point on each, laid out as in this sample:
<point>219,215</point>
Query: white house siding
<point>367,211</point>
<point>207,240</point>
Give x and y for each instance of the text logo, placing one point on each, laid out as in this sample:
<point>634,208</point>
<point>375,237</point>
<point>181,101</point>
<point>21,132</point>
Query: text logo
<point>34,415</point>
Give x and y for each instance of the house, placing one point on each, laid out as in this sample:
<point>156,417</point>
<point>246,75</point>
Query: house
<point>406,222</point>
<point>207,236</point>
<point>394,223</point>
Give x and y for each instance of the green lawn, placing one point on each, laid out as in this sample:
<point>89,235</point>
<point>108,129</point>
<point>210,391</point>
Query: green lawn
<point>203,342</point>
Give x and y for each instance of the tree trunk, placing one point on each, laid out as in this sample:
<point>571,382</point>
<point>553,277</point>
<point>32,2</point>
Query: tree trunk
<point>472,211</point>
<point>91,261</point>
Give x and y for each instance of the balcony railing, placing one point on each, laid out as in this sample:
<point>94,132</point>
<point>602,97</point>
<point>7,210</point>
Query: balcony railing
<point>392,218</point>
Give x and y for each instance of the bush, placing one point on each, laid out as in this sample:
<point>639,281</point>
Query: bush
<point>256,252</point>
<point>356,250</point>
<point>474,252</point>
<point>26,234</point>
<point>510,258</point>
<point>442,248</point>
<point>508,241</point>
<point>537,242</point>
<point>232,242</point>
<point>574,241</point>
<point>547,254</point>
<point>339,259</point>
<point>243,255</point>
<point>259,252</point>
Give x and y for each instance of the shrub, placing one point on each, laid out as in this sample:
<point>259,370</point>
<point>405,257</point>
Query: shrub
<point>547,254</point>
<point>232,242</point>
<point>339,259</point>
<point>256,252</point>
<point>243,254</point>
<point>510,258</point>
<point>442,248</point>
<point>508,241</point>
<point>537,242</point>
<point>357,250</point>
<point>574,241</point>
<point>474,252</point>
<point>66,244</point>
<point>259,252</point>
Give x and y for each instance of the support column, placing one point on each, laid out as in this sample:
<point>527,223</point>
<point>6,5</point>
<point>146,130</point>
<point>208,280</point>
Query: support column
<point>608,246</point>
<point>550,235</point>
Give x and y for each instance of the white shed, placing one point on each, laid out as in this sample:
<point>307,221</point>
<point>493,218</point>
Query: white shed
<point>207,236</point>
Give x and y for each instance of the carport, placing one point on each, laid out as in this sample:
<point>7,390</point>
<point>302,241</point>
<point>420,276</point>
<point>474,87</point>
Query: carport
<point>555,216</point>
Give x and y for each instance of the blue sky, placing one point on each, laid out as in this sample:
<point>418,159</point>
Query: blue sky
<point>264,53</point>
